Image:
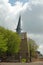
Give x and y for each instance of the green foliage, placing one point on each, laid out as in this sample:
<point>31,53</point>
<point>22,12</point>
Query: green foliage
<point>13,43</point>
<point>9,41</point>
<point>32,46</point>
<point>3,44</point>
<point>23,60</point>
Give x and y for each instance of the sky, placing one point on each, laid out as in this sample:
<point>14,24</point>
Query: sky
<point>31,12</point>
<point>13,1</point>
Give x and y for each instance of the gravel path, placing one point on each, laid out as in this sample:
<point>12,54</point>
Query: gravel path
<point>33,63</point>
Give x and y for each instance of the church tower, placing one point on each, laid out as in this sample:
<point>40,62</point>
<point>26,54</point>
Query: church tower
<point>23,53</point>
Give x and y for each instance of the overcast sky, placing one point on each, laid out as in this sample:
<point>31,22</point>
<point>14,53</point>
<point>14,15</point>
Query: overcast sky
<point>31,14</point>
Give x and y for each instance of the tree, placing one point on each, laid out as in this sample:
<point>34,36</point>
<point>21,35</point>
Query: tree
<point>9,41</point>
<point>3,45</point>
<point>13,43</point>
<point>32,46</point>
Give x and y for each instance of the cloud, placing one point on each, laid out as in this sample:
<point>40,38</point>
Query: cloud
<point>38,38</point>
<point>41,48</point>
<point>9,14</point>
<point>35,2</point>
<point>32,17</point>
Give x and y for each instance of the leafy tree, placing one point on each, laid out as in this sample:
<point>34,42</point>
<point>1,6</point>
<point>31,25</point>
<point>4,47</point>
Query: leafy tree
<point>3,45</point>
<point>32,46</point>
<point>9,41</point>
<point>13,43</point>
